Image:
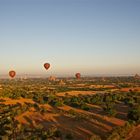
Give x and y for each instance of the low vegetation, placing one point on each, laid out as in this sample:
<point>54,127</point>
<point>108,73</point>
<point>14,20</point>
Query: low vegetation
<point>32,109</point>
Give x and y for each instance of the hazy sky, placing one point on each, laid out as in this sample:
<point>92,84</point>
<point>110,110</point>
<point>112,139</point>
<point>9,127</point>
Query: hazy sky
<point>90,36</point>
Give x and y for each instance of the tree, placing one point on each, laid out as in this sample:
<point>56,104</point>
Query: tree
<point>134,114</point>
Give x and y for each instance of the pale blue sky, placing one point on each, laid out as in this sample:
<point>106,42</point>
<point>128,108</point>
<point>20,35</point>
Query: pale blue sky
<point>89,36</point>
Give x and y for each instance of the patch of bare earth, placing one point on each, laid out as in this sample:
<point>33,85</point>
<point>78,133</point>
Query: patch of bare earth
<point>96,124</point>
<point>128,89</point>
<point>9,101</point>
<point>135,135</point>
<point>76,93</point>
<point>80,129</point>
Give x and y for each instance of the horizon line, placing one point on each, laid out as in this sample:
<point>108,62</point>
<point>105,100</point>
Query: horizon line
<point>66,76</point>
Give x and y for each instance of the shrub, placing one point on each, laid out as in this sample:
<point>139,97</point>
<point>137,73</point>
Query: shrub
<point>134,114</point>
<point>114,136</point>
<point>58,134</point>
<point>85,107</point>
<point>112,112</point>
<point>95,137</point>
<point>120,132</point>
<point>69,136</point>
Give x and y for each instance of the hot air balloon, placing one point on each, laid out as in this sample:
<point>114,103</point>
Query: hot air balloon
<point>46,66</point>
<point>78,75</point>
<point>12,73</point>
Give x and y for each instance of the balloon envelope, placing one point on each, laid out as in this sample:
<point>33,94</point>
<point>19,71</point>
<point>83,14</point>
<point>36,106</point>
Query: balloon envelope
<point>12,73</point>
<point>46,66</point>
<point>78,75</point>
